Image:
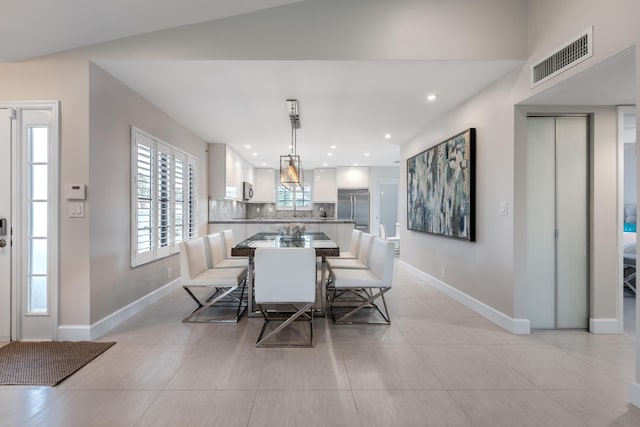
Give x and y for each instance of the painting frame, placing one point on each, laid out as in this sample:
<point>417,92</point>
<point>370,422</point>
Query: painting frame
<point>441,188</point>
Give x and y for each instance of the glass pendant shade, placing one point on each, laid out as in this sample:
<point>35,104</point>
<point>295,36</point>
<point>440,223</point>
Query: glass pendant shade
<point>290,171</point>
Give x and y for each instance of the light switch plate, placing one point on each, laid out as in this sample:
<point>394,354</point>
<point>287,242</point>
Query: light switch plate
<point>76,209</point>
<point>504,210</point>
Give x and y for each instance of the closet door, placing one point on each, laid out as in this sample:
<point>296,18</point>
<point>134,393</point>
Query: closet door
<point>557,227</point>
<point>541,222</point>
<point>571,217</point>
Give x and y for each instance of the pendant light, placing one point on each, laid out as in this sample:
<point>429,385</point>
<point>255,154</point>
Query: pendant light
<point>290,166</point>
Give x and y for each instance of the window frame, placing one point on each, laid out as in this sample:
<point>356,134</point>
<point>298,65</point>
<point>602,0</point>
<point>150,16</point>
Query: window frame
<point>164,183</point>
<point>307,189</point>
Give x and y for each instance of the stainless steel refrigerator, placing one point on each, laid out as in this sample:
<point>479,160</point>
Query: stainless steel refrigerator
<point>354,205</point>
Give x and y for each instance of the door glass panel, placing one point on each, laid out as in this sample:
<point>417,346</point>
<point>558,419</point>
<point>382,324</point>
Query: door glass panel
<point>38,269</point>
<point>38,294</point>
<point>39,256</point>
<point>39,219</point>
<point>39,182</point>
<point>39,144</point>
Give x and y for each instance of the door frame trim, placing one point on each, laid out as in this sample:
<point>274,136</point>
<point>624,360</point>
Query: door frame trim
<point>53,248</point>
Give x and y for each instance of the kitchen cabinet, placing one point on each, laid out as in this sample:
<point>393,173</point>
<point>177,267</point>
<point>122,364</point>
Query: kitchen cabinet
<point>264,188</point>
<point>324,185</point>
<point>352,177</point>
<point>226,173</point>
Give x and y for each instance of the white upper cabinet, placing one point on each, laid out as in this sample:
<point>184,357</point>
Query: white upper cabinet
<point>352,177</point>
<point>324,185</point>
<point>264,189</point>
<point>227,171</point>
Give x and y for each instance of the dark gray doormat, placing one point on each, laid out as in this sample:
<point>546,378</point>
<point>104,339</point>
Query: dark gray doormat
<point>45,363</point>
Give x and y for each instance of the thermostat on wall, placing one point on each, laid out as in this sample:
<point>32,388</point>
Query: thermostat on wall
<point>75,191</point>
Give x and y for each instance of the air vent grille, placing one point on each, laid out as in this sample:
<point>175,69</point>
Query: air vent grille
<point>569,55</point>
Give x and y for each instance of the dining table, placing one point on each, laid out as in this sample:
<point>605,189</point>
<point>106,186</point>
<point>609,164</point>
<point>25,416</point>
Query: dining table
<point>324,246</point>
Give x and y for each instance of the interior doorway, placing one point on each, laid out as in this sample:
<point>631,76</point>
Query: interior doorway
<point>627,181</point>
<point>386,206</point>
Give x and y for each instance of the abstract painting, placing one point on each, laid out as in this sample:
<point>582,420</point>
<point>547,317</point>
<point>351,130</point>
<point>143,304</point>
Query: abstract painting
<point>440,188</point>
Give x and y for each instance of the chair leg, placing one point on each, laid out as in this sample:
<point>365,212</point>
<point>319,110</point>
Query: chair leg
<point>367,302</point>
<point>216,297</point>
<point>301,312</point>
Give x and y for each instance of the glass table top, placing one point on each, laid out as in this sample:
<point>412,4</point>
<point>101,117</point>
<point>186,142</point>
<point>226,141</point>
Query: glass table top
<point>276,240</point>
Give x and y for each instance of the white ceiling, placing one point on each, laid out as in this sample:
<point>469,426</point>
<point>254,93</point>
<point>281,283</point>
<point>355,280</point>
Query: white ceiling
<point>29,29</point>
<point>349,104</point>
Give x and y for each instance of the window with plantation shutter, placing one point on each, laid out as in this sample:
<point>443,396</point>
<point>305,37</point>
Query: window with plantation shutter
<point>164,198</point>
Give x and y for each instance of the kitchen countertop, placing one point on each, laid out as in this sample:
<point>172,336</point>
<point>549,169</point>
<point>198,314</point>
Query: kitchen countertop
<point>282,221</point>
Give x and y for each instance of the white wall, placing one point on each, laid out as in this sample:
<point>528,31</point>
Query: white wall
<point>482,269</point>
<point>485,269</point>
<point>114,108</point>
<point>68,82</point>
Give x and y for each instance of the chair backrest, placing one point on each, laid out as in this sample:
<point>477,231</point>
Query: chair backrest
<point>193,259</point>
<point>215,247</point>
<point>383,231</point>
<point>356,235</point>
<point>227,235</point>
<point>381,260</point>
<point>285,275</point>
<point>365,248</point>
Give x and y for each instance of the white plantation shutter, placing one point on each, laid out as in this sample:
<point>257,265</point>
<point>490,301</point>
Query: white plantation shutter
<point>191,201</point>
<point>163,197</point>
<point>179,229</point>
<point>164,202</point>
<point>143,206</point>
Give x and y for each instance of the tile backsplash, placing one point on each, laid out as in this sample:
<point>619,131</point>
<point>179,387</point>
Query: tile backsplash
<point>231,209</point>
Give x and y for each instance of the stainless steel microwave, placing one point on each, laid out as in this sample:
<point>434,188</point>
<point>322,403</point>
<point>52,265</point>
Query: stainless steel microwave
<point>247,191</point>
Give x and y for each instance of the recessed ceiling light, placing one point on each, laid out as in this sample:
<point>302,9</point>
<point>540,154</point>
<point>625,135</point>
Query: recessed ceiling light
<point>355,164</point>
<point>387,136</point>
<point>255,154</point>
<point>329,154</point>
<point>325,164</point>
<point>432,97</point>
<point>367,154</point>
<point>333,147</point>
<point>264,164</point>
<point>247,146</point>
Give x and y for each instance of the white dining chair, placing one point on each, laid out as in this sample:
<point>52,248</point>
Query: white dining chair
<point>395,239</point>
<point>229,243</point>
<point>363,255</point>
<point>220,283</point>
<point>216,254</point>
<point>284,278</point>
<point>354,247</point>
<point>357,289</point>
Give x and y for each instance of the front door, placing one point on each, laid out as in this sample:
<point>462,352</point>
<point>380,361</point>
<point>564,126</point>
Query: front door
<point>29,213</point>
<point>5,225</point>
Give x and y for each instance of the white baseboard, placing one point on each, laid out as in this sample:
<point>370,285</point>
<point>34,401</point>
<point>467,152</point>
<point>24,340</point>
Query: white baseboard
<point>102,326</point>
<point>634,394</point>
<point>604,326</point>
<point>74,333</point>
<point>515,326</point>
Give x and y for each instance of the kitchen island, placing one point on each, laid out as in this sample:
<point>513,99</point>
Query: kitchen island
<point>337,230</point>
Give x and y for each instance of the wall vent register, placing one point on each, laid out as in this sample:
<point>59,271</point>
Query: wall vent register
<point>568,55</point>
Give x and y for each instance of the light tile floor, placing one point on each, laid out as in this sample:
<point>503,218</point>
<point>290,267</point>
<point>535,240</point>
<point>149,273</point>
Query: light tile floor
<point>438,364</point>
